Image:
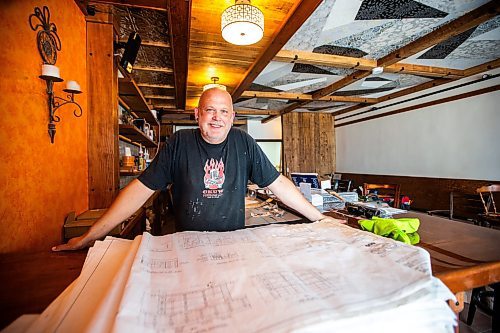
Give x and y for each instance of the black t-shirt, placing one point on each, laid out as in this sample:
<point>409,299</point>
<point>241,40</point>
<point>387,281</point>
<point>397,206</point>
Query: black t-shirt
<point>209,180</point>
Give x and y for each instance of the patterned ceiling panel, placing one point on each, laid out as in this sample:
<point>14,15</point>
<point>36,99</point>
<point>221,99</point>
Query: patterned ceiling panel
<point>150,56</point>
<point>371,29</point>
<point>152,25</point>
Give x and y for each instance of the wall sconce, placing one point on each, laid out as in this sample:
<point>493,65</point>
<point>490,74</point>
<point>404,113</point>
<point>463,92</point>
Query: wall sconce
<point>214,84</point>
<point>50,74</point>
<point>48,44</point>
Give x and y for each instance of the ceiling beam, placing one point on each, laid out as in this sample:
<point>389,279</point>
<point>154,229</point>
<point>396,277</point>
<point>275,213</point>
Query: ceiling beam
<point>179,22</point>
<point>305,97</point>
<point>286,110</point>
<point>424,105</point>
<point>451,29</point>
<point>153,69</point>
<point>427,85</point>
<point>483,68</point>
<point>150,4</point>
<point>296,17</point>
<point>357,75</point>
<point>154,85</point>
<point>158,97</point>
<point>404,92</point>
<point>149,43</point>
<point>257,112</point>
<point>319,59</point>
<point>194,122</point>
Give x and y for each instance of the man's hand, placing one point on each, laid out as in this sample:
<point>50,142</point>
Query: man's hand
<point>76,243</point>
<point>331,219</point>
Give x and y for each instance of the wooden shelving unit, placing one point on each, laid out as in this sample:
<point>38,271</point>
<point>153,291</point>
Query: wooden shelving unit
<point>130,93</point>
<point>130,173</point>
<point>135,135</point>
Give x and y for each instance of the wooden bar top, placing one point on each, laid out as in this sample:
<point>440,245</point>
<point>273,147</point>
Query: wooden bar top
<point>29,282</point>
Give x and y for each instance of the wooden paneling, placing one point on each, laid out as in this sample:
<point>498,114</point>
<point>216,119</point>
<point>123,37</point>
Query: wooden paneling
<point>103,116</point>
<point>210,55</point>
<point>309,143</point>
<point>426,193</point>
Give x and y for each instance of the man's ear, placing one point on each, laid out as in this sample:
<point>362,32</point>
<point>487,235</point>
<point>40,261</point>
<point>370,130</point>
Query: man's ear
<point>196,115</point>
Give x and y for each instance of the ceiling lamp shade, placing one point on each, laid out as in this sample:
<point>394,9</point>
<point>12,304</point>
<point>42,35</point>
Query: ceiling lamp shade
<point>214,84</point>
<point>242,23</point>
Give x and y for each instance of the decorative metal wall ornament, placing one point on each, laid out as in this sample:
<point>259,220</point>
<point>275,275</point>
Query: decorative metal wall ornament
<point>48,41</point>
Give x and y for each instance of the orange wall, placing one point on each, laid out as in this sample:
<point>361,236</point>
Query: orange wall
<point>40,182</point>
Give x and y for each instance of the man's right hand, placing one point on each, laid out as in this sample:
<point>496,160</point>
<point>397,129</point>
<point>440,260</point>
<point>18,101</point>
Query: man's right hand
<point>76,243</point>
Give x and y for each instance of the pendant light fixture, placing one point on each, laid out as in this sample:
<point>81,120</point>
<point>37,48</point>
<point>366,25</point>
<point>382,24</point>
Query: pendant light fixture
<point>242,23</point>
<point>214,84</point>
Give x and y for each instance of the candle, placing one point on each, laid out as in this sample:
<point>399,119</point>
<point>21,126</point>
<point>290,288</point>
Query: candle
<point>50,70</point>
<point>73,86</point>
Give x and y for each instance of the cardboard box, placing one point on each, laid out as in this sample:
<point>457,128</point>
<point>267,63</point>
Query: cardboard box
<point>77,226</point>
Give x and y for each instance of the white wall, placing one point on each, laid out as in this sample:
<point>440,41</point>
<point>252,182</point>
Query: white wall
<point>459,139</point>
<point>270,130</point>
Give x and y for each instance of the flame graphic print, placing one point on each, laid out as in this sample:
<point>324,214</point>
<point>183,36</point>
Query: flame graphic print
<point>214,174</point>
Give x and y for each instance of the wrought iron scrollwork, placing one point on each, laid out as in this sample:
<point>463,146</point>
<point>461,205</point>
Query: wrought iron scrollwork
<point>48,41</point>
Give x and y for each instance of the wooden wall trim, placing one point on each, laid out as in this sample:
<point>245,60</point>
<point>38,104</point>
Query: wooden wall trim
<point>308,143</point>
<point>427,193</point>
<point>103,153</point>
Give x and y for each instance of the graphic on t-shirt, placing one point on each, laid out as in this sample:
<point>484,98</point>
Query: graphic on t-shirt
<point>214,178</point>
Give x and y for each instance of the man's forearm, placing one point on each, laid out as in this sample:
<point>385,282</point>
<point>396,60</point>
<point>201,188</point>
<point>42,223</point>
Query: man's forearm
<point>128,201</point>
<point>286,191</point>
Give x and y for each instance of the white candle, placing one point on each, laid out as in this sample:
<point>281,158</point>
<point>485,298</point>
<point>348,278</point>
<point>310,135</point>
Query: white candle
<point>72,85</point>
<point>50,70</point>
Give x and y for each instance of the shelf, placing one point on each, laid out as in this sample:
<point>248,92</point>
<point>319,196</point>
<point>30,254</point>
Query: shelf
<point>132,96</point>
<point>130,173</point>
<point>134,134</point>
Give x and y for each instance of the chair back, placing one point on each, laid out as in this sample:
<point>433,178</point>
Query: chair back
<point>390,190</point>
<point>487,194</point>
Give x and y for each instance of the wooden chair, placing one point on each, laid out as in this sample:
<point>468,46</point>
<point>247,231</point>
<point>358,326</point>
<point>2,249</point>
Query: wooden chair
<point>463,207</point>
<point>385,190</point>
<point>489,216</point>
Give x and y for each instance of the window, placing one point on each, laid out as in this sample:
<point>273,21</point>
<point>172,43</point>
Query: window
<point>273,151</point>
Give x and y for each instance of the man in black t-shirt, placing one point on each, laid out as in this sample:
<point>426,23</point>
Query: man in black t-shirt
<point>209,168</point>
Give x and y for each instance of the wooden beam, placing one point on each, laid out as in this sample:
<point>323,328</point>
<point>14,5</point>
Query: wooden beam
<point>358,75</point>
<point>349,109</point>
<point>296,17</point>
<point>286,110</point>
<point>153,69</point>
<point>257,112</point>
<point>158,97</point>
<point>179,21</point>
<point>319,59</point>
<point>407,91</point>
<point>305,97</point>
<point>431,71</point>
<point>423,105</point>
<point>149,43</point>
<point>154,85</point>
<point>163,106</point>
<point>482,68</point>
<point>194,122</point>
<point>451,29</point>
<point>150,4</point>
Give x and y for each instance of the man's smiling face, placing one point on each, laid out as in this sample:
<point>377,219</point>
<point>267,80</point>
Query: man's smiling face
<point>215,115</point>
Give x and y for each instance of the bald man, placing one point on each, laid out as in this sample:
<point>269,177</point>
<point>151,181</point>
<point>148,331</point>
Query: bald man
<point>209,169</point>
